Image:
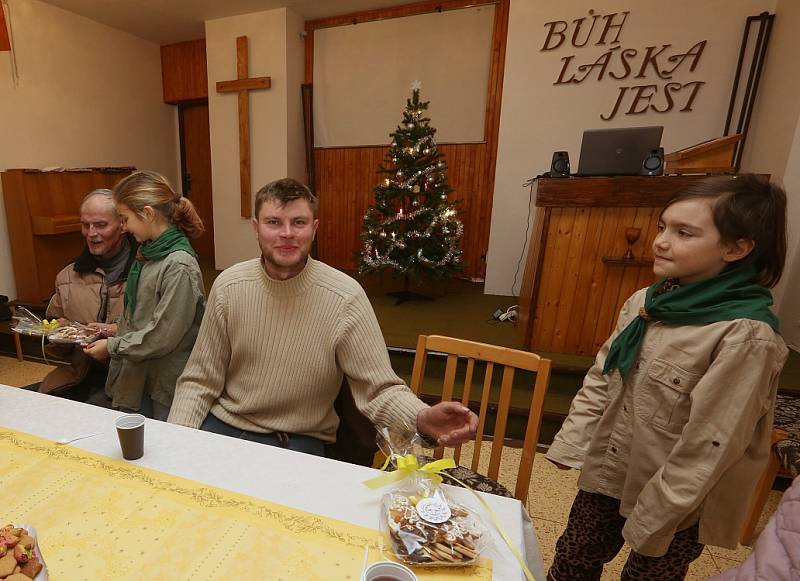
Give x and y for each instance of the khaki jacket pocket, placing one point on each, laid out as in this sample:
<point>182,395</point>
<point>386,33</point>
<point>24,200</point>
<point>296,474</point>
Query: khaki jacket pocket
<point>663,397</point>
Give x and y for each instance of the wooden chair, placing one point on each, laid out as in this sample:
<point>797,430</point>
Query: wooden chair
<point>511,360</point>
<point>38,308</point>
<point>355,438</point>
<point>771,472</point>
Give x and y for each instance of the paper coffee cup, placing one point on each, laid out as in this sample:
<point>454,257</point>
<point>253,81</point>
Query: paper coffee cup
<point>130,429</point>
<point>388,570</point>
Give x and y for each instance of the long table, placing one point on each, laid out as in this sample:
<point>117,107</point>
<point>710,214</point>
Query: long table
<point>301,482</point>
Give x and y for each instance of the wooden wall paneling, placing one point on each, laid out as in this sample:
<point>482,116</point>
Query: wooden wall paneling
<point>483,213</point>
<point>394,12</point>
<point>646,276</point>
<point>492,131</point>
<point>323,182</point>
<point>549,272</point>
<point>607,314</point>
<point>531,278</point>
<point>309,60</point>
<point>647,221</point>
<point>183,71</point>
<point>544,279</point>
<point>355,194</point>
<point>630,274</point>
<point>196,146</point>
<point>20,234</point>
<point>347,192</point>
<point>595,304</point>
<point>457,170</point>
<point>566,301</point>
<point>54,253</point>
<point>561,222</point>
<point>585,286</point>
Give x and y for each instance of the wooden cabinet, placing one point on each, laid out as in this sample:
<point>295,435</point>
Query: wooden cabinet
<point>183,71</point>
<point>570,296</point>
<point>43,223</point>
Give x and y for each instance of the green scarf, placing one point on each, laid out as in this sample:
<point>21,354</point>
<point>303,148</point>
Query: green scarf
<point>171,240</point>
<point>732,294</point>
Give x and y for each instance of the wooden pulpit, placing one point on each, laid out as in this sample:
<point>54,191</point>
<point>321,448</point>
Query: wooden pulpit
<point>712,156</point>
<point>42,213</point>
<point>579,271</point>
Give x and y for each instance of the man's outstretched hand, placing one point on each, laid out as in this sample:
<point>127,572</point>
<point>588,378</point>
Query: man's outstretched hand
<point>449,422</point>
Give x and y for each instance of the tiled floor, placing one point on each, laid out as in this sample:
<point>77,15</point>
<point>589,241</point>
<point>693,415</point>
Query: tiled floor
<point>21,373</point>
<point>550,498</point>
<point>551,491</point>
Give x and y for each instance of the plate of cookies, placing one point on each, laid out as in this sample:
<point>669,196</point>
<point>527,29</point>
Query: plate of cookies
<point>74,333</point>
<point>20,558</point>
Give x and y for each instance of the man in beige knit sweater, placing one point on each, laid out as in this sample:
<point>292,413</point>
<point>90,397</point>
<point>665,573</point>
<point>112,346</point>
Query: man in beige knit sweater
<point>277,337</point>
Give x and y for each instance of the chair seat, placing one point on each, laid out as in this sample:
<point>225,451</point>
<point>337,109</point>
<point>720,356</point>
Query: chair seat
<point>787,418</point>
<point>472,479</point>
<point>477,482</point>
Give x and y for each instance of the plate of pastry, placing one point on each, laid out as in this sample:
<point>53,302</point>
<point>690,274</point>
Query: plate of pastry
<point>20,558</point>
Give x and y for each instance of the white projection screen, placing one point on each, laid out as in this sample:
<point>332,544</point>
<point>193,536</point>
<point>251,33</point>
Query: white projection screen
<point>363,75</point>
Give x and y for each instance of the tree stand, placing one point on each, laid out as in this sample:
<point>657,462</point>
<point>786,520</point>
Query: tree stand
<point>406,295</point>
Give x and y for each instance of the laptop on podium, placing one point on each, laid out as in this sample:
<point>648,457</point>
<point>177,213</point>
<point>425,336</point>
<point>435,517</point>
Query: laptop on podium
<point>617,152</point>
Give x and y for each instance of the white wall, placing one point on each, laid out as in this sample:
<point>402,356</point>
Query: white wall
<point>89,95</point>
<point>295,75</point>
<point>773,147</point>
<point>276,51</point>
<point>789,289</point>
<point>539,117</point>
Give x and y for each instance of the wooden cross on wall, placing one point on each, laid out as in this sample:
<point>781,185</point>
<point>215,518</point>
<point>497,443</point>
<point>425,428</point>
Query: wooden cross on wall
<point>243,85</point>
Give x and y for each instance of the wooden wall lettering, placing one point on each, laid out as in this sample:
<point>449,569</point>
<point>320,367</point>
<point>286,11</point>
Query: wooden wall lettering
<point>658,63</point>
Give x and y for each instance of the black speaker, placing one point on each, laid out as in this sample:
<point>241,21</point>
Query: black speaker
<point>559,168</point>
<point>653,164</point>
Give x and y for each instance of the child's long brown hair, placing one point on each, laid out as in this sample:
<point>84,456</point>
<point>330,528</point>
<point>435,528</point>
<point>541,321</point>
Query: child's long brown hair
<point>751,207</point>
<point>148,188</point>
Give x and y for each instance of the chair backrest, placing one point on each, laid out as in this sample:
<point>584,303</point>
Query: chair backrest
<point>510,360</point>
<point>355,438</point>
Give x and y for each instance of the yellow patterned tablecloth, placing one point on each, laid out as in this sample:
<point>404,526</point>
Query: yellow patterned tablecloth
<point>100,518</point>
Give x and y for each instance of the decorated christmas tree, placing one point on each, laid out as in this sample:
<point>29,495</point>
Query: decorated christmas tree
<point>413,228</point>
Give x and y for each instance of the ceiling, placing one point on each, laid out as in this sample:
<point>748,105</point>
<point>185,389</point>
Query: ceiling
<point>168,21</point>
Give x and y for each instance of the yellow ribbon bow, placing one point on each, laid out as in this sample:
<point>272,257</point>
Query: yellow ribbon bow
<point>407,466</point>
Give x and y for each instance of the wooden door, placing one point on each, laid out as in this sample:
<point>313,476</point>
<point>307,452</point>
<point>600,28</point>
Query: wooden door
<point>196,169</point>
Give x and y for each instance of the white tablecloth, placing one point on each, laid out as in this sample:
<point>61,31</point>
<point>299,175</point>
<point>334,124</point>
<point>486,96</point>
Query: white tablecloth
<point>318,485</point>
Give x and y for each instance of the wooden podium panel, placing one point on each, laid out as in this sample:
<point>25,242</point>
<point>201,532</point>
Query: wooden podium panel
<point>43,223</point>
<point>570,296</point>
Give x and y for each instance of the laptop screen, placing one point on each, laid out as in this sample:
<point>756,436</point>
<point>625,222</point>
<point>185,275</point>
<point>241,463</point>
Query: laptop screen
<point>617,152</point>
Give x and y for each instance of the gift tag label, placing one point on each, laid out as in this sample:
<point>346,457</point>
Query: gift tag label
<point>433,510</point>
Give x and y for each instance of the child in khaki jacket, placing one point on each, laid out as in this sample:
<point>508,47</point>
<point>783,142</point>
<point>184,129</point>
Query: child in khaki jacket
<point>671,428</point>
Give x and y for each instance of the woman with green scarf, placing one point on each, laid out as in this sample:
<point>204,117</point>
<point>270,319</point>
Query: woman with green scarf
<point>164,297</point>
<point>671,429</point>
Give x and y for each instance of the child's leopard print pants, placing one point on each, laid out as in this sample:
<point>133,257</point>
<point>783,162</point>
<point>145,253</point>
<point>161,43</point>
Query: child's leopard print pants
<point>593,537</point>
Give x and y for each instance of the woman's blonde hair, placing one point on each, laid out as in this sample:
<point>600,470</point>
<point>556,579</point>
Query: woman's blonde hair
<point>148,188</point>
